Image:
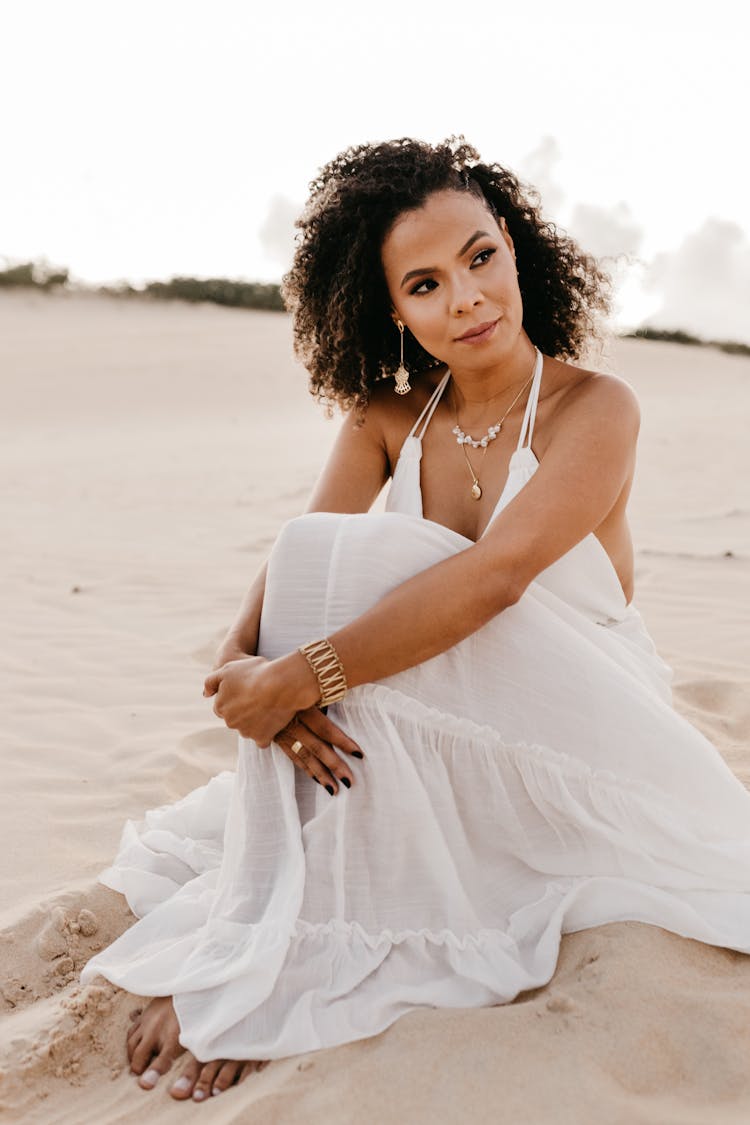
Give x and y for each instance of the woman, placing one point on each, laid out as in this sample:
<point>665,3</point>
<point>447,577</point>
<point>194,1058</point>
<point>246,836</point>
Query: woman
<point>498,712</point>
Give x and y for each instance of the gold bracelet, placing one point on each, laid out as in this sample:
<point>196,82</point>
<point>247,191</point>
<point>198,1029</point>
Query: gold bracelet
<point>324,661</point>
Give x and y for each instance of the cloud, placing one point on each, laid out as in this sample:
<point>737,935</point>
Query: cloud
<point>602,231</point>
<point>606,232</point>
<point>537,169</point>
<point>277,231</point>
<point>704,285</point>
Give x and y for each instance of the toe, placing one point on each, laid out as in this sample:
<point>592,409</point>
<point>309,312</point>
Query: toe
<point>228,1074</point>
<point>183,1087</point>
<point>158,1067</point>
<point>141,1054</point>
<point>249,1068</point>
<point>205,1081</point>
<point>132,1042</point>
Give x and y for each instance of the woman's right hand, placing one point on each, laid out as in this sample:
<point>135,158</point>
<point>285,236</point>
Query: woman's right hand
<point>317,756</point>
<point>317,733</point>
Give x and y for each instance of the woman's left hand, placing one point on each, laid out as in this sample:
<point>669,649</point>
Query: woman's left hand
<point>253,698</point>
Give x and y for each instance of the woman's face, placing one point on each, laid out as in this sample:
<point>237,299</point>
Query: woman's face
<point>450,268</point>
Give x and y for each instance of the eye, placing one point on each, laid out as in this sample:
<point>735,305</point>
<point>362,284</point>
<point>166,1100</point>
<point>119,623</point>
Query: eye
<point>489,250</point>
<point>415,290</point>
<point>418,291</point>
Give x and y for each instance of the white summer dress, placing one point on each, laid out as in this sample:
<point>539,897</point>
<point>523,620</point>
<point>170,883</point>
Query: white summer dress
<point>531,781</point>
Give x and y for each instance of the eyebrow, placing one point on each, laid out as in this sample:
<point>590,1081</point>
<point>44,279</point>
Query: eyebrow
<point>433,269</point>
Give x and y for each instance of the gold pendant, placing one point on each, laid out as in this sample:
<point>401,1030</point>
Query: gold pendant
<point>476,490</point>
<point>402,381</point>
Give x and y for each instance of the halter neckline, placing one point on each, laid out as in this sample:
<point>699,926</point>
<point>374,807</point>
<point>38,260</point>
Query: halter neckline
<point>527,426</point>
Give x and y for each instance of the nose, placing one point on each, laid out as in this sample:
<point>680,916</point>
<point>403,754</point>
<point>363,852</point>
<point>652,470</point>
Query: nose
<point>465,295</point>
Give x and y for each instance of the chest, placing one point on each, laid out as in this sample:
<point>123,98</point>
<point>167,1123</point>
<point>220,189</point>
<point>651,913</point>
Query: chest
<point>443,475</point>
<point>450,476</point>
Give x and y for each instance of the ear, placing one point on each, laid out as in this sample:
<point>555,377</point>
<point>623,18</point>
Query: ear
<point>506,235</point>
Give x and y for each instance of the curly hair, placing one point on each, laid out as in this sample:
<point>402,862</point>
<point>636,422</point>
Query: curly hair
<point>336,288</point>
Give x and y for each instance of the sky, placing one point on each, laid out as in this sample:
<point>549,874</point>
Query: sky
<point>157,137</point>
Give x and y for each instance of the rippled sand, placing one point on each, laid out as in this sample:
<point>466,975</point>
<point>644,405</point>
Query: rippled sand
<point>149,454</point>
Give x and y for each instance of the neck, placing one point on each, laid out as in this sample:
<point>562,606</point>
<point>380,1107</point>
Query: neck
<point>475,388</point>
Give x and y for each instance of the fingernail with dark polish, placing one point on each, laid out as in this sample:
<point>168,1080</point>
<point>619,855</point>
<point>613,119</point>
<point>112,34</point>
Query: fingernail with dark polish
<point>330,789</point>
<point>345,781</point>
<point>357,754</point>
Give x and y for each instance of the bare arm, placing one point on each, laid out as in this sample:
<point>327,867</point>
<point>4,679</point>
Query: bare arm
<point>582,474</point>
<point>575,487</point>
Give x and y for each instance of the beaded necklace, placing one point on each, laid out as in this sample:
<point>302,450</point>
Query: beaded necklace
<point>481,443</point>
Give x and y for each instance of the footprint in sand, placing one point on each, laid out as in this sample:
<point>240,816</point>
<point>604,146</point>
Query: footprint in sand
<point>45,951</point>
<point>560,1002</point>
<point>64,1037</point>
<point>52,1027</point>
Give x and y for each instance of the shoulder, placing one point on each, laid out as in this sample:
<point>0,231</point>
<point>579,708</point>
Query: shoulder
<point>593,401</point>
<point>384,402</point>
<point>392,416</point>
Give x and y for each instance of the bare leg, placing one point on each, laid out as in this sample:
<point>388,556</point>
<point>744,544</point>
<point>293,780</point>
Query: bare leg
<point>153,1045</point>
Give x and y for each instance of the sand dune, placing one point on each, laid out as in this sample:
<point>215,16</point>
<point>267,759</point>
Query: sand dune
<point>146,470</point>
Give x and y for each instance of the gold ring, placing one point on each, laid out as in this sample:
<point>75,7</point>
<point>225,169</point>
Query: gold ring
<point>296,746</point>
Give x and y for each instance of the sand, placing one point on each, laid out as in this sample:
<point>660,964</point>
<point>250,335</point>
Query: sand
<point>149,454</point>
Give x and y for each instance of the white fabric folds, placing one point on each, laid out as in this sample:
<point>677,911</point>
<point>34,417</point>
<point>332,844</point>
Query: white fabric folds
<point>531,781</point>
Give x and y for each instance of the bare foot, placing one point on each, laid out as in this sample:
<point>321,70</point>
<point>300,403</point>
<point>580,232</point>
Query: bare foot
<point>200,1080</point>
<point>153,1045</point>
<point>153,1041</point>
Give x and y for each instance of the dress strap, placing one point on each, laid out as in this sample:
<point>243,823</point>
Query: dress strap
<point>429,409</point>
<point>530,415</point>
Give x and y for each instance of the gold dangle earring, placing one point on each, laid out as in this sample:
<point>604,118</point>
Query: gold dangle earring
<point>402,375</point>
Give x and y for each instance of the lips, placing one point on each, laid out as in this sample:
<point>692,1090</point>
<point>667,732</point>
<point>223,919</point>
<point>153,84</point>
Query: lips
<point>478,330</point>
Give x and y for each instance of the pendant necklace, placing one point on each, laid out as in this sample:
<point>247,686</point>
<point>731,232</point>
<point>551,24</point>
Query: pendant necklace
<point>484,442</point>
